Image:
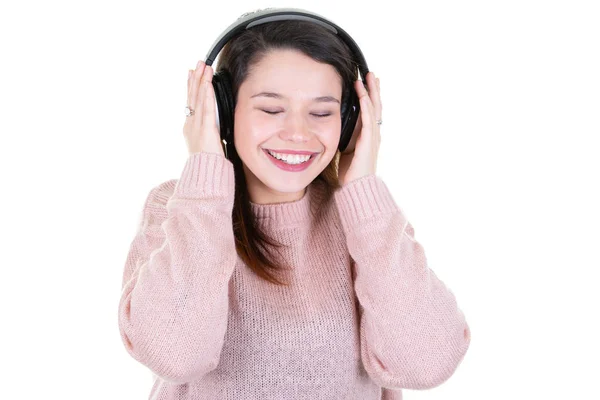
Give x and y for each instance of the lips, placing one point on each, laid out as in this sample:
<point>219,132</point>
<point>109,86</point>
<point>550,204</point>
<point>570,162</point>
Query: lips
<point>289,167</point>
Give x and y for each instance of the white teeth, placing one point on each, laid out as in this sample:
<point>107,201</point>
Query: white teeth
<point>290,159</point>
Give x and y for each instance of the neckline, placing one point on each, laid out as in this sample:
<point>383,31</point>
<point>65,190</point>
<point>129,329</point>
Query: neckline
<point>287,213</point>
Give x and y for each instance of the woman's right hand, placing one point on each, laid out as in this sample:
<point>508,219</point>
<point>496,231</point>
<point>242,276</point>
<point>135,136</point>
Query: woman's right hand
<point>200,129</point>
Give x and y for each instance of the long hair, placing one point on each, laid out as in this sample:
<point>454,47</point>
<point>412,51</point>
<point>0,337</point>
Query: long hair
<point>237,58</point>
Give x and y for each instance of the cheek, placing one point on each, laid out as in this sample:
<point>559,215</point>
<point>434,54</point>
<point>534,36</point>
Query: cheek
<point>249,138</point>
<point>247,128</point>
<point>330,136</point>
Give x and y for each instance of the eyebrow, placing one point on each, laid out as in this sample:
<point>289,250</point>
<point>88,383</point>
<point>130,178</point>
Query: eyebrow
<point>321,99</point>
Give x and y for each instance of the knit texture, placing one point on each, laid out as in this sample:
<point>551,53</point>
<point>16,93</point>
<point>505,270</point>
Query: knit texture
<point>363,317</point>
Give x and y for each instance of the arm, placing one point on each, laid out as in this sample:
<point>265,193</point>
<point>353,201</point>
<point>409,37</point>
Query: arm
<point>412,333</point>
<point>174,300</point>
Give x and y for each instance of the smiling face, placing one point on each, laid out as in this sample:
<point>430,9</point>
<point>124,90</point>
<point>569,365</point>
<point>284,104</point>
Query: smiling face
<point>288,102</point>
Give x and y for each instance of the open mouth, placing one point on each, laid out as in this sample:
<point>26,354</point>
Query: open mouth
<point>297,163</point>
<point>294,167</point>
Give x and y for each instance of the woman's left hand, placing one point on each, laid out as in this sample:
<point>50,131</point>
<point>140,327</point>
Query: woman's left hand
<point>360,156</point>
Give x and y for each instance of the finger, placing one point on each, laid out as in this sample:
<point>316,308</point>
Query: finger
<point>209,111</point>
<point>375,95</point>
<point>366,107</point>
<point>197,75</point>
<point>369,81</point>
<point>205,83</point>
<point>189,86</point>
<point>372,85</point>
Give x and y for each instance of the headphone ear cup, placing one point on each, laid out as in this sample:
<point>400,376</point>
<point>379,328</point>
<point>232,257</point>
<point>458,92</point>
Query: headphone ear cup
<point>224,98</point>
<point>349,110</point>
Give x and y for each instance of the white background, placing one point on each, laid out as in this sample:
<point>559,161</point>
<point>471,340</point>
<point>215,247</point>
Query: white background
<point>489,145</point>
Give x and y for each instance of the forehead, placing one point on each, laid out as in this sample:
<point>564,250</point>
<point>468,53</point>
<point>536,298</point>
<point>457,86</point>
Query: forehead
<point>293,71</point>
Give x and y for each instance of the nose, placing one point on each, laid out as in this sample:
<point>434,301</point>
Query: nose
<point>296,128</point>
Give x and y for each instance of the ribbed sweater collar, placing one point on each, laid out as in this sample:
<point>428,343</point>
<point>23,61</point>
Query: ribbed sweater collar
<point>289,213</point>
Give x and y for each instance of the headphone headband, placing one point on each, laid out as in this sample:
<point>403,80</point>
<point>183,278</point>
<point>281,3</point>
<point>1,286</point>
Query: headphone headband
<point>250,19</point>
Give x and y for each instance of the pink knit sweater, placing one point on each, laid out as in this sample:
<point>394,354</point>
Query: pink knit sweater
<point>363,317</point>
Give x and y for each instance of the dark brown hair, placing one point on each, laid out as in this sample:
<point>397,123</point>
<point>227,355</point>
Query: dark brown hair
<point>237,58</point>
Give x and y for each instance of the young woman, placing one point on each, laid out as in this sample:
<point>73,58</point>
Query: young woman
<point>278,268</point>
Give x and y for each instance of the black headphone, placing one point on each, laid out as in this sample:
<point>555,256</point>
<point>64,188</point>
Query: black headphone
<point>222,80</point>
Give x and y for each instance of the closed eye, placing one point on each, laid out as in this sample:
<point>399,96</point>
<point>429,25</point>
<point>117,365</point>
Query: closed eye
<point>277,112</point>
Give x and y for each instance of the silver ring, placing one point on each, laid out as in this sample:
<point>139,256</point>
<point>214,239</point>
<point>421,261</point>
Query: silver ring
<point>379,122</point>
<point>188,111</point>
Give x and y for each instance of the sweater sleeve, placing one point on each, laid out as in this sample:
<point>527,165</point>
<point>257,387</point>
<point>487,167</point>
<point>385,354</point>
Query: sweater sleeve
<point>412,333</point>
<point>174,299</point>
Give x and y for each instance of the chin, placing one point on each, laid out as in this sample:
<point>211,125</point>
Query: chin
<point>287,186</point>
